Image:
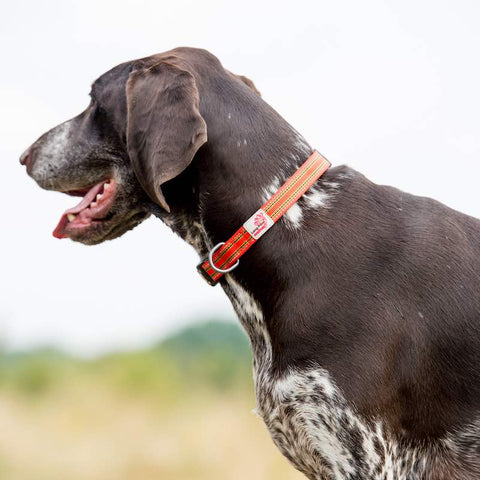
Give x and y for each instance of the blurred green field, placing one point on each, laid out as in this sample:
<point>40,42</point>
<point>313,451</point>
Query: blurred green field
<point>181,409</point>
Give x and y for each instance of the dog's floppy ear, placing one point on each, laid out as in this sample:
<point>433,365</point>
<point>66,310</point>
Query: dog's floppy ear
<point>164,125</point>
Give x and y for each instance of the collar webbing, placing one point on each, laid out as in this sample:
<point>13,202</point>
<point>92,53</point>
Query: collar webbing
<point>225,256</point>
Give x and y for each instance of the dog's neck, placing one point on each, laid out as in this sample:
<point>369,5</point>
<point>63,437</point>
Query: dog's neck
<point>251,150</point>
<point>248,156</point>
<point>220,202</point>
<point>227,185</point>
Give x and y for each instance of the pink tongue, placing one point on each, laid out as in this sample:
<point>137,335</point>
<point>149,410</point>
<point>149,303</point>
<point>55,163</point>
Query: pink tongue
<point>59,231</point>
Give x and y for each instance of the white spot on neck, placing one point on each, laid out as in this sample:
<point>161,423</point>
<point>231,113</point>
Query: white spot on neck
<point>271,189</point>
<point>294,216</point>
<point>316,198</point>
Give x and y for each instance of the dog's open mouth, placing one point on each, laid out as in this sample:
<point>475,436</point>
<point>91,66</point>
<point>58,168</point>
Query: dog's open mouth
<point>93,209</point>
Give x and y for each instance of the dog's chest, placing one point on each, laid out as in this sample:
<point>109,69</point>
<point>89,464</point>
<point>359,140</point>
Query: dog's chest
<point>314,428</point>
<point>308,418</point>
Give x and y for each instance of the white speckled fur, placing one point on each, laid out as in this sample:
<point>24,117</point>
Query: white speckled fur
<point>271,189</point>
<point>316,198</point>
<point>51,152</point>
<point>294,216</point>
<point>191,231</point>
<point>310,420</point>
<point>251,317</point>
<point>55,145</point>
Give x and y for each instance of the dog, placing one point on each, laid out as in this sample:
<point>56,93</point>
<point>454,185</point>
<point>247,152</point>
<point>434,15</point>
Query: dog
<point>362,303</point>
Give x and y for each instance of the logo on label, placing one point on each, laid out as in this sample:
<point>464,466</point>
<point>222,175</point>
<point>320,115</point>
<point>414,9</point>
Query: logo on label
<point>258,224</point>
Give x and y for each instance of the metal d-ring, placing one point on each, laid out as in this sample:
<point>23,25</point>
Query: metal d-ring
<point>210,259</point>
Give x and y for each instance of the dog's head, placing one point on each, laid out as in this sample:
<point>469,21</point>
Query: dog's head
<point>142,129</point>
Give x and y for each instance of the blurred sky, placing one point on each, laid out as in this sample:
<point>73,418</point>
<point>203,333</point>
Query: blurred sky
<point>390,88</point>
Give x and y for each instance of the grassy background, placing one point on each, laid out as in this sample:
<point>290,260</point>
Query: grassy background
<point>181,409</point>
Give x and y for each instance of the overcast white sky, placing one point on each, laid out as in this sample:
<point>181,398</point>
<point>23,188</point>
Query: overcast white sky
<point>390,88</point>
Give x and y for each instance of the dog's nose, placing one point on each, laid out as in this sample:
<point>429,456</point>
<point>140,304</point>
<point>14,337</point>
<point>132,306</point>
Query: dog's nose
<point>26,157</point>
